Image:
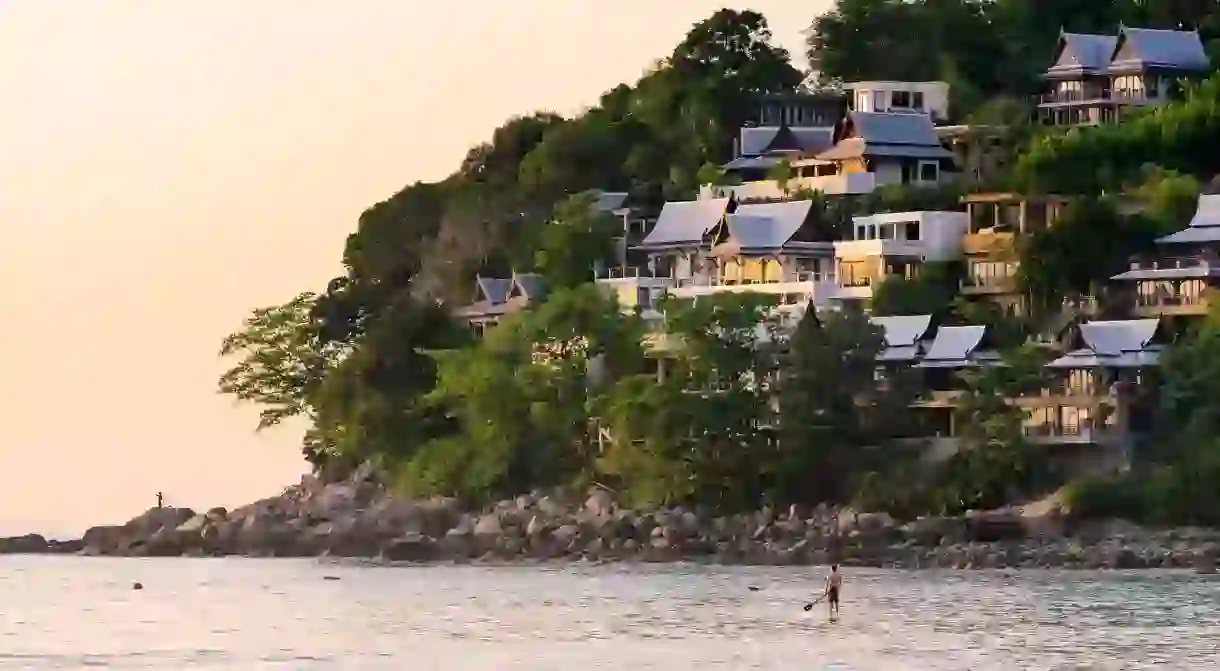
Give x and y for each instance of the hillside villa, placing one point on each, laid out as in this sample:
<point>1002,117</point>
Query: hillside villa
<point>1093,78</point>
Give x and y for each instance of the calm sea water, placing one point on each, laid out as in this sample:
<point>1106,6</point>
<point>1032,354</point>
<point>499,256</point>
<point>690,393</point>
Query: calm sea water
<point>76,613</point>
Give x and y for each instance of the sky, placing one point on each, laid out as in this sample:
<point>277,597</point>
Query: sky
<point>165,167</point>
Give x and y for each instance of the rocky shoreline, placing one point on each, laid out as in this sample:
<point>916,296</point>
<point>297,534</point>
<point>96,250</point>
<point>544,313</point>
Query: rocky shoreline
<point>359,518</point>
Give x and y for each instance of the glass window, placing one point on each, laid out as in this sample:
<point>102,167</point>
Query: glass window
<point>860,232</point>
<point>900,99</point>
<point>872,232</point>
<point>917,100</point>
<point>929,171</point>
<point>879,102</point>
<point>911,231</point>
<point>887,232</point>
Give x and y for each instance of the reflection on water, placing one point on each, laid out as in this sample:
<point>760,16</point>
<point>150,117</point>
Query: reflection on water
<point>69,613</point>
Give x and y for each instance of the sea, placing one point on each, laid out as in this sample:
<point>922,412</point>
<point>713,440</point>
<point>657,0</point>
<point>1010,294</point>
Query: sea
<point>84,613</point>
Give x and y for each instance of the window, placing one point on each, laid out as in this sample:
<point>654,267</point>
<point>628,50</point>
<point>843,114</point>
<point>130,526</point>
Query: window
<point>1152,85</point>
<point>862,101</point>
<point>887,232</point>
<point>900,99</point>
<point>878,102</point>
<point>872,232</point>
<point>911,230</point>
<point>860,232</point>
<point>929,171</point>
<point>917,100</point>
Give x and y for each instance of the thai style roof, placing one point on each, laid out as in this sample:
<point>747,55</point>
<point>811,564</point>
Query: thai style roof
<point>1204,226</point>
<point>1082,54</point>
<point>1131,50</point>
<point>760,227</point>
<point>898,134</point>
<point>1138,49</point>
<point>503,295</point>
<point>1204,229</point>
<point>957,347</point>
<point>683,224</point>
<point>1114,344</point>
<point>759,140</point>
<point>610,201</point>
<point>903,334</point>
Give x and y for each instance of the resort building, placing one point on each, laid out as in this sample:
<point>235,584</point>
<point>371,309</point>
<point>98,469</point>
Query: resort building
<point>498,297</point>
<point>1175,284</point>
<point>894,243</point>
<point>1093,78</point>
<point>997,220</point>
<point>888,148</point>
<point>929,98</point>
<point>1101,396</point>
<point>799,109</point>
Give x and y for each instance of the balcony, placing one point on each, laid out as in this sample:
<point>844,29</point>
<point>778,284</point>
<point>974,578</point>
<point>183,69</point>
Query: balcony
<point>855,250</point>
<point>973,285</point>
<point>988,241</point>
<point>1079,433</point>
<point>797,284</point>
<point>1164,304</point>
<point>1121,96</point>
<point>854,183</point>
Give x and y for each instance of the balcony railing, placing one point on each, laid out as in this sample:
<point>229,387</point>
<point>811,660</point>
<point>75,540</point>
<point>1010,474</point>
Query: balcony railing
<point>1104,95</point>
<point>1169,263</point>
<point>698,281</point>
<point>1167,300</point>
<point>1004,282</point>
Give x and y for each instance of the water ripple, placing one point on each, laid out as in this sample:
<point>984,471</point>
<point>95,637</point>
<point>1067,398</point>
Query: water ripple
<point>69,613</point>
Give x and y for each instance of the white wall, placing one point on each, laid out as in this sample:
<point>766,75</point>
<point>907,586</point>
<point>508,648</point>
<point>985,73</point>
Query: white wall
<point>935,96</point>
<point>940,236</point>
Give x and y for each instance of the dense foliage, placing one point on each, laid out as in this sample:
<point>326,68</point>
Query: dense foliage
<point>563,394</point>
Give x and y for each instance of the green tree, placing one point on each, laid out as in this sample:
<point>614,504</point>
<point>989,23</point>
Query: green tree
<point>832,409</point>
<point>522,400</point>
<point>281,361</point>
<point>576,241</point>
<point>930,292</point>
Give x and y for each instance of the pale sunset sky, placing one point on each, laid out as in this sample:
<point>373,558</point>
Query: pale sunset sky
<point>167,165</point>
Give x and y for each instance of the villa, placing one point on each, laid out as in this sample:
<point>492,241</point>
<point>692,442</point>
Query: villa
<point>1093,78</point>
<point>895,243</point>
<point>498,297</point>
<point>997,221</point>
<point>1175,284</point>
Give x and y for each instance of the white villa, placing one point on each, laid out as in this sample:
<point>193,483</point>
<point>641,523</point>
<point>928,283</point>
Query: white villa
<point>931,98</point>
<point>895,243</point>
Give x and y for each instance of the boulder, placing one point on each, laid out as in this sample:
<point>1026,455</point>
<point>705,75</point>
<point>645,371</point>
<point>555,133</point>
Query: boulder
<point>994,526</point>
<point>413,546</point>
<point>104,540</point>
<point>600,502</point>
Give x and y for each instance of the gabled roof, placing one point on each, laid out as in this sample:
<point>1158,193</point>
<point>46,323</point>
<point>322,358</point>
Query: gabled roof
<point>1204,226</point>
<point>954,347</point>
<point>1114,344</point>
<point>494,290</point>
<point>1081,54</point>
<point>502,295</point>
<point>1139,48</point>
<point>685,223</point>
<point>759,140</point>
<point>766,226</point>
<point>903,334</point>
<point>609,201</point>
<point>886,134</point>
<point>529,285</point>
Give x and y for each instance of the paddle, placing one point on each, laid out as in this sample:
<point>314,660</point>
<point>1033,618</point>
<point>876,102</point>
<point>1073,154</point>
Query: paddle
<point>809,606</point>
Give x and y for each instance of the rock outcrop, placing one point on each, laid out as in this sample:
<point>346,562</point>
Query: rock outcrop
<point>357,517</point>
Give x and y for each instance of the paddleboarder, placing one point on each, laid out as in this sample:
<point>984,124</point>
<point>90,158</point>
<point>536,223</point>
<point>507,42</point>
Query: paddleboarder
<point>834,582</point>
